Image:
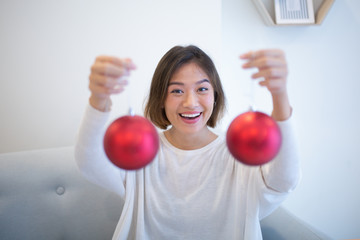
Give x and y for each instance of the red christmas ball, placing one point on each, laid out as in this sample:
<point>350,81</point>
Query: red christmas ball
<point>131,142</point>
<point>253,138</point>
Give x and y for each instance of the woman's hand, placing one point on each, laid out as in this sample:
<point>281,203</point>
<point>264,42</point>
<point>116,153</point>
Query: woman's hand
<point>272,69</point>
<point>108,76</point>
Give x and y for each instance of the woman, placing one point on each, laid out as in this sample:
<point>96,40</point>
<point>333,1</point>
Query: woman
<point>194,188</point>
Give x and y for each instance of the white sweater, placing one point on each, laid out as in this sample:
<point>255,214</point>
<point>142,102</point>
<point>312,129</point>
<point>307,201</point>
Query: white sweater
<point>198,194</point>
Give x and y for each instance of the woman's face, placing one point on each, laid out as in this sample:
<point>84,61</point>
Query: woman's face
<point>190,99</point>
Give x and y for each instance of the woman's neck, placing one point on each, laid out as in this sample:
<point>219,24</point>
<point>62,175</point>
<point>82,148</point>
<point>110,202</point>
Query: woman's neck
<point>192,141</point>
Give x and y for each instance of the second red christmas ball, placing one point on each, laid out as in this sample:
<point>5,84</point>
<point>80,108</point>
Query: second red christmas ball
<point>253,138</point>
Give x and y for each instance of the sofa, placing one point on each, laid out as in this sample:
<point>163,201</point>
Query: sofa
<point>44,196</point>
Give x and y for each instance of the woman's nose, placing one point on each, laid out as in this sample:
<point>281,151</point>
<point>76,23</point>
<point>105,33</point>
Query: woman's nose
<point>190,100</point>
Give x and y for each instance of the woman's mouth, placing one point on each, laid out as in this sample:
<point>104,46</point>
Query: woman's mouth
<point>190,116</point>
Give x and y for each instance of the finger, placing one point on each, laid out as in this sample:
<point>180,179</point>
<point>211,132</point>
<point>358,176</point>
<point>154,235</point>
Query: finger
<point>99,90</point>
<point>103,91</point>
<point>277,53</point>
<point>274,85</point>
<point>264,62</point>
<point>129,64</point>
<point>109,69</point>
<point>121,62</point>
<point>107,81</point>
<point>117,89</point>
<point>270,73</point>
<point>126,63</point>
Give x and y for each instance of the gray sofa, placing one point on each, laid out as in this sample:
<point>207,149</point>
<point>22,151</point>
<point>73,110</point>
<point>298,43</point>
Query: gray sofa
<point>44,196</point>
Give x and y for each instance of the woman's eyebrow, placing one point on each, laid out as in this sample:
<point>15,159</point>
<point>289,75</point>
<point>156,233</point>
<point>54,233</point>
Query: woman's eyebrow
<point>176,83</point>
<point>198,82</point>
<point>202,81</point>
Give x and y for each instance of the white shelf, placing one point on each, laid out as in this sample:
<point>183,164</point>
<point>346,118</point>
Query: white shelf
<point>266,10</point>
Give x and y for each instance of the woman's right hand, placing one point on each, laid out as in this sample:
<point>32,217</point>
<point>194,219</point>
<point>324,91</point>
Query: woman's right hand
<point>108,76</point>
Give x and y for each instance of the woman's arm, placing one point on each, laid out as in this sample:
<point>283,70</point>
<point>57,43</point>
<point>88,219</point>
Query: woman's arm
<point>282,173</point>
<point>90,156</point>
<point>108,76</point>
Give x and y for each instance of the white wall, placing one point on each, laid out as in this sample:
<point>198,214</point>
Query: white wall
<point>324,90</point>
<point>48,46</point>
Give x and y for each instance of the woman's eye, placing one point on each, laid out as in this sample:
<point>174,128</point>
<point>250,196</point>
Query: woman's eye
<point>177,91</point>
<point>203,89</point>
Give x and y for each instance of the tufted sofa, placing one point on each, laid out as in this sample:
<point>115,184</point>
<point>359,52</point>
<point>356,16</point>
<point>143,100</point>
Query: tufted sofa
<point>44,196</point>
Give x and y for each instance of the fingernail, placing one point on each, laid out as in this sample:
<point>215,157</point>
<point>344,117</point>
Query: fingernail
<point>246,65</point>
<point>121,79</point>
<point>133,66</point>
<point>129,64</point>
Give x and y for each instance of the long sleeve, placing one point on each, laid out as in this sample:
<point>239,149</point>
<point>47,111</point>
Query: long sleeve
<point>90,156</point>
<point>282,174</point>
<point>279,177</point>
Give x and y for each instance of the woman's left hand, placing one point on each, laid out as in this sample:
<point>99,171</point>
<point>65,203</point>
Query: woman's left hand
<point>273,70</point>
<point>272,67</point>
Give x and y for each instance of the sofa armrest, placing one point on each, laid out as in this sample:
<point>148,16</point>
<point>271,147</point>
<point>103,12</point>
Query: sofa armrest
<point>44,196</point>
<point>283,225</point>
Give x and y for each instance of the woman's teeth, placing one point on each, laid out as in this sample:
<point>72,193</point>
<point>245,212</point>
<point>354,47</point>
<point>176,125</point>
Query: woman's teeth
<point>194,115</point>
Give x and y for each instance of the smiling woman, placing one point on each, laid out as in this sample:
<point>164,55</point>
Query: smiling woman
<point>168,66</point>
<point>194,188</point>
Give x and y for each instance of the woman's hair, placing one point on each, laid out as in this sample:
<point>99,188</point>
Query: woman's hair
<point>168,65</point>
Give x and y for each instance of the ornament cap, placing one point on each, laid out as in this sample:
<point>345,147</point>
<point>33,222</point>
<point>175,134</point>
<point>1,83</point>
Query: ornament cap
<point>252,108</point>
<point>131,112</point>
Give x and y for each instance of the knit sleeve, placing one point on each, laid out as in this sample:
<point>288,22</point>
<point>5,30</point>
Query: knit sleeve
<point>281,175</point>
<point>90,156</point>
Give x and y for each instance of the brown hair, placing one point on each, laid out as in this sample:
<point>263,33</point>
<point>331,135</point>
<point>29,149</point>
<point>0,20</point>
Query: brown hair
<point>168,65</point>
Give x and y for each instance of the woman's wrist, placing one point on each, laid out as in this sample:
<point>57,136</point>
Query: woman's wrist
<point>281,107</point>
<point>101,104</point>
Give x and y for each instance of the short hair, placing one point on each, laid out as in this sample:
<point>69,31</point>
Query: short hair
<point>167,66</point>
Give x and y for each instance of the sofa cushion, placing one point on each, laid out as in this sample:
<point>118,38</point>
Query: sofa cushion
<point>44,196</point>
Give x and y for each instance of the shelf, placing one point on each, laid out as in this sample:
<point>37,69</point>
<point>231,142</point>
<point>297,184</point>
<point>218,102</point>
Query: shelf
<point>266,10</point>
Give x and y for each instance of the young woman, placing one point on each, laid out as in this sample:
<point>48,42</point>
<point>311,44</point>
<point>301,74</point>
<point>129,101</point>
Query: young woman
<point>194,188</point>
